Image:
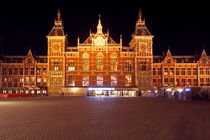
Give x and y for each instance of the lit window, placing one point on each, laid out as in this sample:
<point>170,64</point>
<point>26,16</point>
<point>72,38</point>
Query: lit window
<point>113,62</point>
<point>38,80</point>
<point>71,81</point>
<point>128,66</point>
<point>85,62</point>
<point>99,81</point>
<point>113,80</point>
<point>171,71</point>
<point>99,62</point>
<point>85,81</point>
<point>128,79</point>
<point>56,66</point>
<point>165,71</point>
<point>71,66</point>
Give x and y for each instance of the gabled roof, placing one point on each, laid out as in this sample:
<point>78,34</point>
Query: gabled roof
<point>57,29</point>
<point>141,29</point>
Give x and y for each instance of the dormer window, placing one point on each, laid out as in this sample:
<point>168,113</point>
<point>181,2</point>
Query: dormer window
<point>29,61</point>
<point>168,61</point>
<point>204,61</point>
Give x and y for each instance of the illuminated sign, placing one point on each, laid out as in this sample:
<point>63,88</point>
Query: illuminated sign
<point>101,89</point>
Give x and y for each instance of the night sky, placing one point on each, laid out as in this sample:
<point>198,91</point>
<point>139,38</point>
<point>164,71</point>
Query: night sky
<point>184,29</point>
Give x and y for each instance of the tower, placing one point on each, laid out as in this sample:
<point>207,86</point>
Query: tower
<point>141,42</point>
<point>56,56</point>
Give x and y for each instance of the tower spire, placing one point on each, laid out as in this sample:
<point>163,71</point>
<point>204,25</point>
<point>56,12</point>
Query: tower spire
<point>99,27</point>
<point>140,15</point>
<point>59,15</point>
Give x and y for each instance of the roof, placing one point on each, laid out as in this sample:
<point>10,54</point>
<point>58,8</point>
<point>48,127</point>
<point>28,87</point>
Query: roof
<point>141,29</point>
<point>57,29</point>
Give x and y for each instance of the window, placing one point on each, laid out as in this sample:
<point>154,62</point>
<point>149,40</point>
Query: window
<point>207,71</point>
<point>32,71</point>
<point>183,82</point>
<point>99,62</point>
<point>189,82</point>
<point>177,82</point>
<point>15,82</point>
<point>177,71</point>
<point>44,71</point>
<point>194,71</point>
<point>56,66</point>
<point>99,81</point>
<point>154,81</point>
<point>38,80</point>
<point>71,81</point>
<point>10,71</point>
<point>4,71</point>
<point>165,71</point>
<point>143,66</point>
<point>85,81</point>
<point>208,81</point>
<point>26,71</point>
<point>195,82</point>
<point>128,66</point>
<point>188,71</point>
<point>159,71</point>
<point>154,71</point>
<point>38,71</point>
<point>165,80</point>
<point>71,66</point>
<point>113,80</point>
<point>171,71</point>
<point>44,82</point>
<point>168,61</point>
<point>183,71</point>
<point>202,81</point>
<point>128,79</point>
<point>172,80</point>
<point>29,61</point>
<point>15,71</point>
<point>201,71</point>
<point>113,62</point>
<point>21,71</point>
<point>20,82</point>
<point>38,83</point>
<point>85,62</point>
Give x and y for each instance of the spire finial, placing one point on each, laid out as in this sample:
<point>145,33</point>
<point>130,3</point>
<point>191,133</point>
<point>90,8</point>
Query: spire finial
<point>59,15</point>
<point>99,27</point>
<point>140,15</point>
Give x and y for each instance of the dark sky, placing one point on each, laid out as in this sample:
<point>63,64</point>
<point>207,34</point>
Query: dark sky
<point>185,29</point>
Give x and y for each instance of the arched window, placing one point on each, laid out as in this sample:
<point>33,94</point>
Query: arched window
<point>114,62</point>
<point>85,62</point>
<point>100,62</point>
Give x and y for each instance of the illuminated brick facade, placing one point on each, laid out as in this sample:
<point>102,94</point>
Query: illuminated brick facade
<point>99,61</point>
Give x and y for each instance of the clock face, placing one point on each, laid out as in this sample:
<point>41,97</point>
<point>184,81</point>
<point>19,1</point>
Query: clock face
<point>143,47</point>
<point>56,47</point>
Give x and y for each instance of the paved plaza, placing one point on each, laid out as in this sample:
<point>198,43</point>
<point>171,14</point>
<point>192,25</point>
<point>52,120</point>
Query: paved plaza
<point>103,118</point>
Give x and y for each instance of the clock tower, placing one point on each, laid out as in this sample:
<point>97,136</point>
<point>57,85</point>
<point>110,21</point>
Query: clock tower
<point>56,56</point>
<point>141,42</point>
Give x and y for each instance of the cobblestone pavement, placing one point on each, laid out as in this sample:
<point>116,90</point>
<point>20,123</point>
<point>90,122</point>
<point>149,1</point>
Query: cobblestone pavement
<point>103,118</point>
